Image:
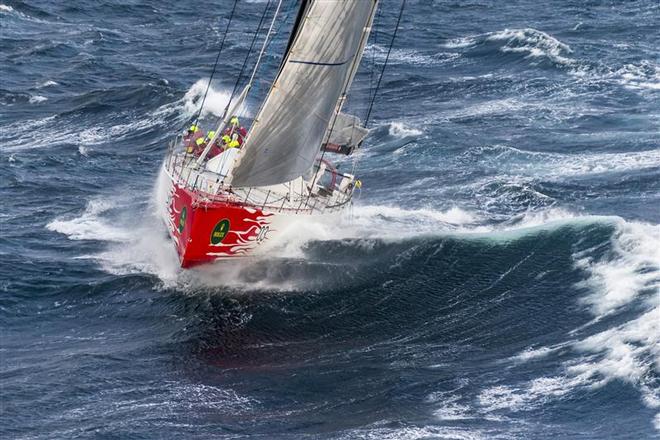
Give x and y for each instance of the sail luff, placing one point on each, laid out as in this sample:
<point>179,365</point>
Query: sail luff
<point>296,28</point>
<point>292,123</point>
<point>353,72</point>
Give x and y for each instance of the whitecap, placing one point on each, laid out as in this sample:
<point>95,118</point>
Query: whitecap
<point>633,268</point>
<point>90,225</point>
<point>215,103</point>
<point>529,41</point>
<point>644,75</point>
<point>628,352</point>
<point>400,130</point>
<point>37,99</point>
<point>48,83</point>
<point>405,56</point>
<point>458,43</point>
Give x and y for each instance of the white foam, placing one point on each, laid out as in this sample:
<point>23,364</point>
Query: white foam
<point>416,433</point>
<point>632,269</point>
<point>533,42</point>
<point>645,75</point>
<point>450,409</point>
<point>531,394</point>
<point>458,43</point>
<point>90,225</point>
<point>534,353</point>
<point>37,99</point>
<point>400,130</point>
<point>405,56</point>
<point>493,107</point>
<point>628,352</point>
<point>215,103</point>
<point>6,8</point>
<point>46,84</point>
<point>148,248</point>
<point>560,165</point>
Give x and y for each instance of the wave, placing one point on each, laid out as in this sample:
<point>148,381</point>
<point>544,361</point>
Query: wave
<point>532,43</point>
<point>37,99</point>
<point>643,76</point>
<point>627,276</point>
<point>215,103</point>
<point>612,265</point>
<point>407,56</point>
<point>27,12</point>
<point>385,246</point>
<point>538,45</point>
<point>66,128</point>
<point>558,165</point>
<point>47,83</point>
<point>91,225</point>
<point>147,248</point>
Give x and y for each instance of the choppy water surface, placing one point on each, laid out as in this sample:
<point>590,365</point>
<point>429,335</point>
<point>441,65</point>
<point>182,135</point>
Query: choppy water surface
<point>497,278</point>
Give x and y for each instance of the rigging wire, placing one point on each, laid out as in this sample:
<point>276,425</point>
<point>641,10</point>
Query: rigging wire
<point>247,57</point>
<point>356,158</point>
<point>217,59</point>
<point>245,61</point>
<point>387,58</point>
<point>265,45</point>
<point>373,51</point>
<point>332,127</point>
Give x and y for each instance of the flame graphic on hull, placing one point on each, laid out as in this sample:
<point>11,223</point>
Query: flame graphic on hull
<point>192,224</point>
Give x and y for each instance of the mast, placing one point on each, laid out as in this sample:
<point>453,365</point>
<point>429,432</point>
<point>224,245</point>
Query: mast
<point>324,51</point>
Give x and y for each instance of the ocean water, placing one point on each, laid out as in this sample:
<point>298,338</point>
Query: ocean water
<point>497,277</point>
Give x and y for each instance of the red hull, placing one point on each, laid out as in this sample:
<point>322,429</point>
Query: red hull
<point>204,231</point>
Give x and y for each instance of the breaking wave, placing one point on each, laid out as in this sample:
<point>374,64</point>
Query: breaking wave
<point>537,45</point>
<point>627,276</point>
<point>65,129</point>
<point>528,41</point>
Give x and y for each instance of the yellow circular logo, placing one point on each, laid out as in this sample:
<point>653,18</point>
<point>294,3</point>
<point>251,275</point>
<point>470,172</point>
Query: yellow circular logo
<point>220,231</point>
<point>182,219</point>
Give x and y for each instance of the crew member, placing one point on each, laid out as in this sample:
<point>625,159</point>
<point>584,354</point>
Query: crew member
<point>190,138</point>
<point>233,142</point>
<point>215,147</point>
<point>209,136</point>
<point>235,127</point>
<point>200,145</point>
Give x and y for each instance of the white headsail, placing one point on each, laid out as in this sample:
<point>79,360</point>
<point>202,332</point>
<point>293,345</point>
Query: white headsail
<point>318,68</point>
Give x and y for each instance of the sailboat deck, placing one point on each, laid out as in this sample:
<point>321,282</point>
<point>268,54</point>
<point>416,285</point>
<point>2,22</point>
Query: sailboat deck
<point>296,196</point>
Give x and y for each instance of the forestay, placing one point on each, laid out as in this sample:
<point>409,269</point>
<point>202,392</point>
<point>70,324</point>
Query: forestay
<point>288,131</point>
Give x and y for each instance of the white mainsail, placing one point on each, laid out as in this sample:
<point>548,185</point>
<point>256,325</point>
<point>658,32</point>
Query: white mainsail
<point>317,70</point>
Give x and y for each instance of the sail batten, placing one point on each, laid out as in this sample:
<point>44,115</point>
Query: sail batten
<point>305,97</point>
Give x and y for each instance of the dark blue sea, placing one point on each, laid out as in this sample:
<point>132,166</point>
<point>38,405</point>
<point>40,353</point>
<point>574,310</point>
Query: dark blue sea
<point>497,277</point>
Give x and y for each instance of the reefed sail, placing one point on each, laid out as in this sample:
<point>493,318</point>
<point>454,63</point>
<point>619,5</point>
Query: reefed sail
<point>288,131</point>
<point>347,131</point>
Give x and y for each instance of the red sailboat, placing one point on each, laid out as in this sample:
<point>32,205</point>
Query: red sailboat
<point>229,202</point>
